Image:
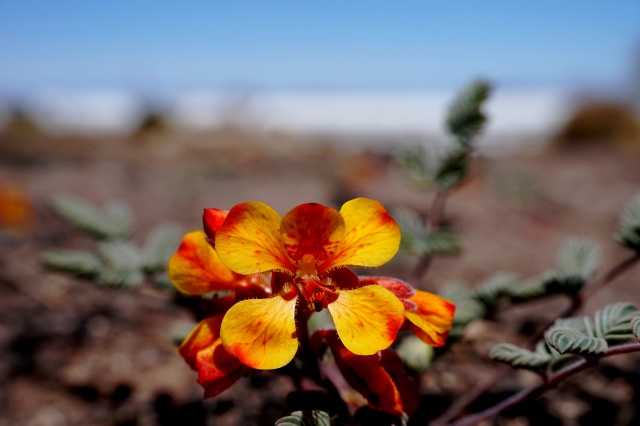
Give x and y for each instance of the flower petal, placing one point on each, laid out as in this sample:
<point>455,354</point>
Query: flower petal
<point>202,336</point>
<point>261,332</point>
<point>433,318</point>
<point>408,387</point>
<point>365,375</point>
<point>212,219</point>
<point>367,318</point>
<point>249,242</point>
<point>217,369</point>
<point>344,278</point>
<point>402,289</point>
<point>203,351</point>
<point>195,268</point>
<point>312,229</point>
<point>371,236</point>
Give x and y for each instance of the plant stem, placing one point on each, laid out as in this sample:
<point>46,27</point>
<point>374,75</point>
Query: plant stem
<point>434,220</point>
<point>552,381</point>
<point>609,276</point>
<point>306,352</point>
<point>576,303</point>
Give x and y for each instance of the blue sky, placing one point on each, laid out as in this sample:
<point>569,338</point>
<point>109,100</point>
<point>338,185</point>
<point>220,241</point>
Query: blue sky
<point>321,45</point>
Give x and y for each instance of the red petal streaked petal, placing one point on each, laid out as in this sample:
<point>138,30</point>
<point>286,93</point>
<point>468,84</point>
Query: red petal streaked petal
<point>249,242</point>
<point>203,351</point>
<point>371,236</point>
<point>367,318</point>
<point>312,229</point>
<point>217,370</point>
<point>343,278</point>
<point>408,387</point>
<point>365,375</point>
<point>202,336</point>
<point>212,220</point>
<point>433,318</point>
<point>195,268</point>
<point>402,289</point>
<point>261,332</point>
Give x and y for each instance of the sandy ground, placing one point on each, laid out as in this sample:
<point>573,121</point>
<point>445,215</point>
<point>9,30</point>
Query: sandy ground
<point>77,354</point>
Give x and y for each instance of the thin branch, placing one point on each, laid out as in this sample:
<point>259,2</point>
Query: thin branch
<point>609,276</point>
<point>436,212</point>
<point>552,381</point>
<point>434,220</point>
<point>462,402</point>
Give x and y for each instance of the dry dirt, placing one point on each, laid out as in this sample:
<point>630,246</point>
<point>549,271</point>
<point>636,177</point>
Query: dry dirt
<point>77,354</point>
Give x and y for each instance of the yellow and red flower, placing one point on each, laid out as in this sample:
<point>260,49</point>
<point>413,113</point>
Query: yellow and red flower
<point>275,271</point>
<point>308,251</point>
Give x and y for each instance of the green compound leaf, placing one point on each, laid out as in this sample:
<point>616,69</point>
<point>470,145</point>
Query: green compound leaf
<point>495,287</point>
<point>115,221</point>
<point>628,232</point>
<point>415,354</point>
<point>467,307</point>
<point>160,245</point>
<point>453,168</point>
<point>465,118</point>
<point>442,242</point>
<point>573,341</point>
<point>122,266</point>
<point>75,262</point>
<point>521,358</point>
<point>579,256</point>
<point>613,323</point>
<point>527,290</point>
<point>635,327</point>
<point>412,226</point>
<point>417,165</point>
<point>576,264</point>
<point>417,239</point>
<point>305,418</point>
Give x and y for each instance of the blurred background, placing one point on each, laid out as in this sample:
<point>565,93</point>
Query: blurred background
<point>171,107</point>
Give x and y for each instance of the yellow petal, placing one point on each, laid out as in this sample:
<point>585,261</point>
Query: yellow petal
<point>367,319</point>
<point>195,268</point>
<point>432,319</point>
<point>249,241</point>
<point>261,332</point>
<point>371,236</point>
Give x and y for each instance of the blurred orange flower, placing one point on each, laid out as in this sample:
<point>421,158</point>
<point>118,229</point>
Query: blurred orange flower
<point>16,213</point>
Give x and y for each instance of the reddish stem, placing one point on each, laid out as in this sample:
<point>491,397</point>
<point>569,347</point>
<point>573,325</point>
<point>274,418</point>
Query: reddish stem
<point>434,221</point>
<point>552,381</point>
<point>576,303</point>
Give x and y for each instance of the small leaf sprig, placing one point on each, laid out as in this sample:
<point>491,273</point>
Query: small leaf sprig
<point>628,232</point>
<point>575,276</point>
<point>424,236</point>
<point>116,262</point>
<point>585,338</point>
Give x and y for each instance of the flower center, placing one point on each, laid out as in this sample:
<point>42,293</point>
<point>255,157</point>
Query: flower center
<point>307,265</point>
<point>317,291</point>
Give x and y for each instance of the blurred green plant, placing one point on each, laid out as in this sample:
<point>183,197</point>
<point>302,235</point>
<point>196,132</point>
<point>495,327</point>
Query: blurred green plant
<point>116,261</point>
<point>423,234</point>
<point>427,235</point>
